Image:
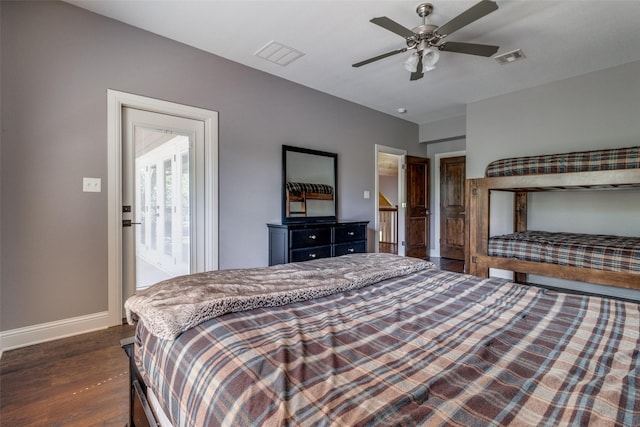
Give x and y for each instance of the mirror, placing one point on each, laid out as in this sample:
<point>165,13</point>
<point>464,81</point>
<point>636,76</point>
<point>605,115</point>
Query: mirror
<point>309,183</point>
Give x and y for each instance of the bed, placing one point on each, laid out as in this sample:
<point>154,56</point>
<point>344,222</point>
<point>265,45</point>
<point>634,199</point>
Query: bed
<point>377,339</point>
<point>600,259</point>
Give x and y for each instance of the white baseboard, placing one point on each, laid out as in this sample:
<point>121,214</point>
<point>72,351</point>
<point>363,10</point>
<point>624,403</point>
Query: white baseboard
<point>22,337</point>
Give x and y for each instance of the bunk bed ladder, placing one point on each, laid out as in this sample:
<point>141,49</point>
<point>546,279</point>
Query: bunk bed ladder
<point>297,198</point>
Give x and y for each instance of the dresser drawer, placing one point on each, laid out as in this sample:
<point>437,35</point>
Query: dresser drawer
<point>305,242</point>
<point>308,254</point>
<point>309,237</point>
<point>350,248</point>
<point>349,233</point>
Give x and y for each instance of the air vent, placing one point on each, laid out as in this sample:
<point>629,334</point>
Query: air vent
<point>509,57</point>
<point>278,53</point>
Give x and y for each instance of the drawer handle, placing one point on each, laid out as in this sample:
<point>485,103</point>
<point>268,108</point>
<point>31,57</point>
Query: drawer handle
<point>312,237</point>
<point>351,233</point>
<point>351,250</point>
<point>312,255</point>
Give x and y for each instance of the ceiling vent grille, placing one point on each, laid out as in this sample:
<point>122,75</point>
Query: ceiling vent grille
<point>278,53</point>
<point>509,57</point>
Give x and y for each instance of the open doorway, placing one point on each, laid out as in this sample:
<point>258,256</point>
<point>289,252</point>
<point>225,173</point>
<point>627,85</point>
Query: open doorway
<point>389,197</point>
<point>388,202</point>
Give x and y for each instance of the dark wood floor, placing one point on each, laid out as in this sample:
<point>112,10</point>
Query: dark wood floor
<point>77,381</point>
<point>449,264</point>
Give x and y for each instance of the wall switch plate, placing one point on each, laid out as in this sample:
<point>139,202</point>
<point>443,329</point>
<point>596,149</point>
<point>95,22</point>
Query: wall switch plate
<point>91,185</point>
<point>366,194</point>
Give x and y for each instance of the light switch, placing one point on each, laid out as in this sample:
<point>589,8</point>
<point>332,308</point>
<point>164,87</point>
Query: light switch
<point>366,194</point>
<point>91,185</point>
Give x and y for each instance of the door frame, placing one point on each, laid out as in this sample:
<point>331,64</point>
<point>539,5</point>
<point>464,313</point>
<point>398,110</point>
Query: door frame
<point>435,251</point>
<point>401,197</point>
<point>116,100</point>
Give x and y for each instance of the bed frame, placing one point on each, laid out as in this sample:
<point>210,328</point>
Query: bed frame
<point>140,412</point>
<point>478,193</point>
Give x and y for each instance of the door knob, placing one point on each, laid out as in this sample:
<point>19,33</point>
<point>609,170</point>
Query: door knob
<point>128,223</point>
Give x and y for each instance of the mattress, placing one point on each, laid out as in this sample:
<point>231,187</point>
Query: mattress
<point>428,348</point>
<point>593,251</point>
<point>585,161</point>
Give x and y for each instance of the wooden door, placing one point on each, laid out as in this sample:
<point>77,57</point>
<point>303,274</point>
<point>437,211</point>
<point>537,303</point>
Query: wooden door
<point>417,212</point>
<point>452,207</point>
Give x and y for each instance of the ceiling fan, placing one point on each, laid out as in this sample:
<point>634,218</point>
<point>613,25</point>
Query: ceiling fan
<point>426,39</point>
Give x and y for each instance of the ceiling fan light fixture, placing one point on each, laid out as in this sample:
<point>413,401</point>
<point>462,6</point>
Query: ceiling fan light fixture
<point>411,64</point>
<point>430,58</point>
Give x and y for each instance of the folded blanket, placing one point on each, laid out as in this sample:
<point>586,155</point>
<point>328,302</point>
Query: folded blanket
<point>176,305</point>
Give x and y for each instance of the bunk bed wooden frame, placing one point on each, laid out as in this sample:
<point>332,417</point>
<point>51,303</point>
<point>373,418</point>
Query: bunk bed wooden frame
<point>302,197</point>
<point>478,193</point>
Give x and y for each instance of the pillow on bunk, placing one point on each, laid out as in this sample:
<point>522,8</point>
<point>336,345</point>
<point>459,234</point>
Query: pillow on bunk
<point>583,161</point>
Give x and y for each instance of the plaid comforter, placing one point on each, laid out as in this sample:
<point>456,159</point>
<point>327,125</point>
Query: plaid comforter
<point>430,348</point>
<point>584,161</point>
<point>594,251</point>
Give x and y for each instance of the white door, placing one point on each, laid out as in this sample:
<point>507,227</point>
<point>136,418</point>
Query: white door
<point>162,197</point>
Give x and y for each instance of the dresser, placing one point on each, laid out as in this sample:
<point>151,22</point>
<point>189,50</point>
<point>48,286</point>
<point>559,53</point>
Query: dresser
<point>303,242</point>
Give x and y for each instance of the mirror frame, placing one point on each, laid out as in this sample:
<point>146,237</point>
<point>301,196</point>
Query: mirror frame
<point>308,219</point>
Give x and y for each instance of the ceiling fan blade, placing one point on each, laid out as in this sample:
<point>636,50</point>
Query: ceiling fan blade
<point>469,48</point>
<point>375,58</point>
<point>417,74</point>
<point>470,15</point>
<point>393,26</point>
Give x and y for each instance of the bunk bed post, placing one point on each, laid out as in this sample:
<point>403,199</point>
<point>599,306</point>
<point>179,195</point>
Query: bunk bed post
<point>468,229</point>
<point>478,205</point>
<point>520,199</point>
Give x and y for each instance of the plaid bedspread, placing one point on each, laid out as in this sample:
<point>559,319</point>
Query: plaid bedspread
<point>584,161</point>
<point>594,251</point>
<point>430,348</point>
<point>305,187</point>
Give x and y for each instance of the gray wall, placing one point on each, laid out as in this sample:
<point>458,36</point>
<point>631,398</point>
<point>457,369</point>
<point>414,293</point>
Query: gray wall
<point>442,130</point>
<point>596,110</point>
<point>388,186</point>
<point>57,63</point>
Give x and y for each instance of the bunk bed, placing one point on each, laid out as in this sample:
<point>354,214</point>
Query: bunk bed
<point>593,258</point>
<point>300,192</point>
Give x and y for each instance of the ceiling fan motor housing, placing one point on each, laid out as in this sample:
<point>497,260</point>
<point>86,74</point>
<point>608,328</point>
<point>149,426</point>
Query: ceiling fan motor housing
<point>424,36</point>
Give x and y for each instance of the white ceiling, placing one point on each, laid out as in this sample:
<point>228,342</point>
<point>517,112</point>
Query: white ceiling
<point>560,38</point>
